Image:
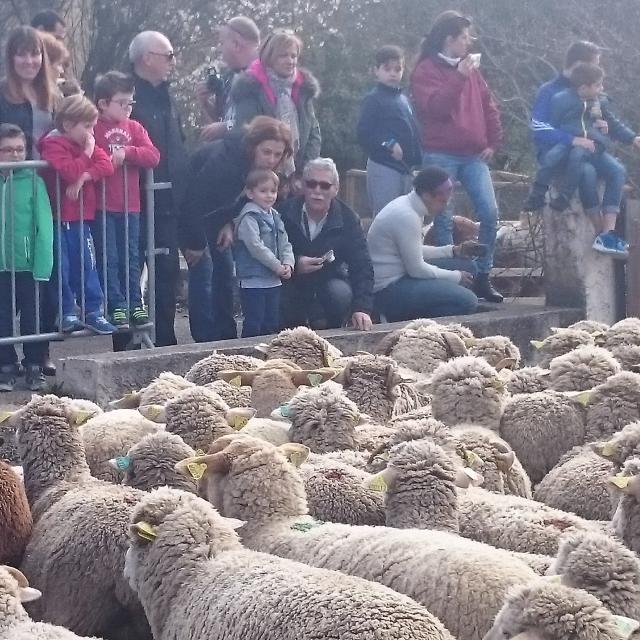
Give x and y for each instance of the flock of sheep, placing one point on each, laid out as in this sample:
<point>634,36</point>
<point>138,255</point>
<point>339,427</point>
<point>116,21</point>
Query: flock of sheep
<point>435,490</point>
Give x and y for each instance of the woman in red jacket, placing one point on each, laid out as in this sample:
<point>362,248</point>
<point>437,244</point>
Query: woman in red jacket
<point>461,129</point>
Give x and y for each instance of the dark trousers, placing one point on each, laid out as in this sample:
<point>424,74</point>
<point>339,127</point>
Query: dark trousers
<point>117,236</point>
<point>261,311</point>
<point>305,302</point>
<point>34,352</point>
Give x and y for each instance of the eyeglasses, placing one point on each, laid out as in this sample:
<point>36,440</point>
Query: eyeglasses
<point>169,56</point>
<point>125,103</point>
<point>14,150</point>
<point>312,184</point>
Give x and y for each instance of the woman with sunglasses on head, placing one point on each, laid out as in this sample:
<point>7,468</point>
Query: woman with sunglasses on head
<point>332,282</point>
<point>413,280</point>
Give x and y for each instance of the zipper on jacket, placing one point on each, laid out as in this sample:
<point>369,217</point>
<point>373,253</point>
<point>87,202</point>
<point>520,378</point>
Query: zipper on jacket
<point>584,124</point>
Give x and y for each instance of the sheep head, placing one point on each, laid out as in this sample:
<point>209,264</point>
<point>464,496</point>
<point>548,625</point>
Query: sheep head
<point>14,582</point>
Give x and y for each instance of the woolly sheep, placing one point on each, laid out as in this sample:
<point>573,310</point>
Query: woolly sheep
<point>578,483</point>
<point>80,528</point>
<point>8,445</point>
<point>541,427</point>
<point>621,446</point>
<point>582,369</point>
<point>150,463</point>
<point>468,389</point>
<point>547,611</point>
<point>526,380</point>
<point>389,341</point>
<point>196,581</point>
<point>303,346</point>
<point>626,519</point>
<point>15,516</point>
<point>232,395</point>
<point>625,332</point>
<point>590,326</point>
<point>496,350</point>
<point>156,393</point>
<point>628,355</point>
<point>560,342</point>
<point>604,567</point>
<point>254,481</point>
<point>206,371</point>
<point>15,623</point>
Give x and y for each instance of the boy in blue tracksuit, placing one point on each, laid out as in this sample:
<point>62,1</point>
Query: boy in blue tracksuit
<point>387,132</point>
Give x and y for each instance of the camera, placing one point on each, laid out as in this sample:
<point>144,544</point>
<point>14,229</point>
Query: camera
<point>215,84</point>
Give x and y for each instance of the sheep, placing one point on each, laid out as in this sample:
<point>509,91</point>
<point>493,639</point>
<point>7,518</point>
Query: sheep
<point>156,393</point>
<point>8,445</point>
<point>467,389</point>
<point>15,623</point>
<point>547,611</point>
<point>389,341</point>
<point>582,369</point>
<point>590,326</point>
<point>541,427</point>
<point>276,383</point>
<point>578,483</point>
<point>150,463</point>
<point>625,332</point>
<point>626,519</point>
<point>234,396</point>
<point>253,481</point>
<point>206,371</point>
<point>197,582</point>
<point>110,435</point>
<point>525,380</point>
<point>604,567</point>
<point>628,355</point>
<point>15,516</point>
<point>80,528</point>
<point>302,346</point>
<point>621,446</point>
<point>496,350</point>
<point>561,342</point>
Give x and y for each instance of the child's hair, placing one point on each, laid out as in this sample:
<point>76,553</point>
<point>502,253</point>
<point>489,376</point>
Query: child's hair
<point>8,130</point>
<point>581,51</point>
<point>258,176</point>
<point>585,73</point>
<point>70,87</point>
<point>75,109</point>
<point>389,53</point>
<point>112,82</point>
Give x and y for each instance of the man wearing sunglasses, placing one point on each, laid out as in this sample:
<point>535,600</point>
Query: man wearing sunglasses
<point>153,61</point>
<point>333,278</point>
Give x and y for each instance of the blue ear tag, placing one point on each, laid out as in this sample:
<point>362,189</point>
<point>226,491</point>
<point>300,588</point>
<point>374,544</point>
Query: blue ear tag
<point>284,410</point>
<point>123,463</point>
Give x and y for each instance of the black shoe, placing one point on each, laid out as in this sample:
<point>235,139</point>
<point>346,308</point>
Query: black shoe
<point>34,378</point>
<point>560,203</point>
<point>483,288</point>
<point>48,368</point>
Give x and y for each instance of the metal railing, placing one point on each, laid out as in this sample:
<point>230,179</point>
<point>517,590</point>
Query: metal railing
<point>48,316</point>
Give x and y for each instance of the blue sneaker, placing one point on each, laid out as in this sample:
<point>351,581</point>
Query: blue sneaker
<point>611,244</point>
<point>97,323</point>
<point>70,324</point>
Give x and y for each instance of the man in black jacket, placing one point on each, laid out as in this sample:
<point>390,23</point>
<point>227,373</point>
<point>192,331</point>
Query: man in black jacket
<point>333,277</point>
<point>153,60</point>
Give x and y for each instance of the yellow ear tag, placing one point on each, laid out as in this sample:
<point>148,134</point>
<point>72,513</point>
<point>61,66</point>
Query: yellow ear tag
<point>608,449</point>
<point>297,458</point>
<point>620,481</point>
<point>626,626</point>
<point>196,469</point>
<point>240,422</point>
<point>471,458</point>
<point>555,579</point>
<point>146,531</point>
<point>80,417</point>
<point>469,342</point>
<point>315,379</point>
<point>498,385</point>
<point>583,398</point>
<point>199,452</point>
<point>236,382</point>
<point>329,360</point>
<point>4,416</point>
<point>377,483</point>
<point>536,344</point>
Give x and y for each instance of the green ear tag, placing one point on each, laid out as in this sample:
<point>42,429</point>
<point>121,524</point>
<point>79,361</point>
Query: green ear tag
<point>284,410</point>
<point>123,463</point>
<point>315,379</point>
<point>236,382</point>
<point>626,626</point>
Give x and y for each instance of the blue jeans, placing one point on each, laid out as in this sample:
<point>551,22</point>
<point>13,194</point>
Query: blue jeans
<point>411,298</point>
<point>614,175</point>
<point>384,184</point>
<point>261,311</point>
<point>474,175</point>
<point>78,255</point>
<point>210,297</point>
<point>309,300</point>
<point>116,249</point>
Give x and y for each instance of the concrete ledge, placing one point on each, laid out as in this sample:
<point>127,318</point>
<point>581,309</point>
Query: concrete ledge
<point>103,377</point>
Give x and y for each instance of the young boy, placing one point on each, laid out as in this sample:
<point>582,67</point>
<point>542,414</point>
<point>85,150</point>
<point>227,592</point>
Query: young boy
<point>263,255</point>
<point>26,247</point>
<point>128,143</point>
<point>387,132</point>
<point>71,151</point>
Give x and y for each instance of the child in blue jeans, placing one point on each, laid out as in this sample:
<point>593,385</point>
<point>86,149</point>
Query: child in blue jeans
<point>263,255</point>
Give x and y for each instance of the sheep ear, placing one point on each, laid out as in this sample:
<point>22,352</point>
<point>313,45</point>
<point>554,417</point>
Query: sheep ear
<point>295,453</point>
<point>600,338</point>
<point>153,412</point>
<point>238,378</point>
<point>504,461</point>
<point>262,348</point>
<point>78,418</point>
<point>327,358</point>
<point>605,450</point>
<point>18,576</point>
<point>197,466</point>
<point>145,531</point>
<point>552,579</point>
<point>626,626</point>
<point>466,477</point>
<point>393,377</point>
<point>472,458</point>
<point>313,377</point>
<point>344,377</point>
<point>469,342</point>
<point>6,415</point>
<point>28,594</point>
<point>381,481</point>
<point>234,523</point>
<point>622,483</point>
<point>582,398</point>
<point>454,343</point>
<point>506,363</point>
<point>544,373</point>
<point>129,400</point>
<point>363,353</point>
<point>536,344</point>
<point>238,417</point>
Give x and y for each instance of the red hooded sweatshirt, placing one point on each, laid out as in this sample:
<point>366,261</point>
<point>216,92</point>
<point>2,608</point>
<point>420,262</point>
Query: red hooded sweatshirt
<point>68,159</point>
<point>458,114</point>
<point>139,152</point>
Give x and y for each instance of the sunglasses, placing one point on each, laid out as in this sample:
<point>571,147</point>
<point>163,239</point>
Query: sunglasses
<point>312,184</point>
<point>169,56</point>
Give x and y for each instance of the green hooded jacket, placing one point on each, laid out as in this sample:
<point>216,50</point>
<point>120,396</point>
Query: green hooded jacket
<point>26,241</point>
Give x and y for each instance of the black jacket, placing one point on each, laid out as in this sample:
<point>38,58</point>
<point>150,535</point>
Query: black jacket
<point>156,111</point>
<point>21,115</point>
<point>217,173</point>
<point>342,233</point>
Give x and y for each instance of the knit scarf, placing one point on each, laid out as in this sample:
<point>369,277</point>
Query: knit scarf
<point>287,112</point>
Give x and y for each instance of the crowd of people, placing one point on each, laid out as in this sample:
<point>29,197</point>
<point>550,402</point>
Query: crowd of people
<point>256,202</point>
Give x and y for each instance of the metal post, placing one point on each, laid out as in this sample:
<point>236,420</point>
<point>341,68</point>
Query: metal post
<point>633,262</point>
<point>151,250</point>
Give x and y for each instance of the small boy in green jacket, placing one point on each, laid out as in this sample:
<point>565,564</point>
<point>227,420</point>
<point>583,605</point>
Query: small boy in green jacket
<point>26,248</point>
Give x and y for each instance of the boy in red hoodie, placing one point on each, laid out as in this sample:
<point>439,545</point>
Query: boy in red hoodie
<point>71,151</point>
<point>117,229</point>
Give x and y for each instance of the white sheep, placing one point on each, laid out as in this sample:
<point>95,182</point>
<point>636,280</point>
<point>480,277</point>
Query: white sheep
<point>303,346</point>
<point>156,393</point>
<point>590,326</point>
<point>626,519</point>
<point>232,395</point>
<point>525,380</point>
<point>206,371</point>
<point>560,342</point>
<point>498,351</point>
<point>582,369</point>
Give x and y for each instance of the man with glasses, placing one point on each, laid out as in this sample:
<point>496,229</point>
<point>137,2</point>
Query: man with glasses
<point>153,60</point>
<point>333,278</point>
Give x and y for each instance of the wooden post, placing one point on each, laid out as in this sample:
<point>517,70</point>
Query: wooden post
<point>633,263</point>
